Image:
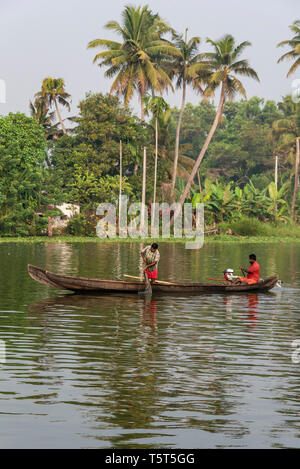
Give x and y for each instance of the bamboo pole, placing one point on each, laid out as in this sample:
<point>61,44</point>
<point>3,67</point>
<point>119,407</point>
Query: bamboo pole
<point>141,278</point>
<point>199,181</point>
<point>296,184</point>
<point>276,179</point>
<point>144,191</point>
<point>120,190</point>
<point>156,158</point>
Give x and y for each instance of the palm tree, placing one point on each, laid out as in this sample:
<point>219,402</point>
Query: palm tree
<point>224,64</point>
<point>294,43</point>
<point>137,61</point>
<point>39,110</point>
<point>157,105</point>
<point>287,130</point>
<point>186,65</point>
<point>53,92</point>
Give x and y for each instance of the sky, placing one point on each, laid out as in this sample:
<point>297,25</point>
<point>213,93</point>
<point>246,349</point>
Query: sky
<point>40,38</point>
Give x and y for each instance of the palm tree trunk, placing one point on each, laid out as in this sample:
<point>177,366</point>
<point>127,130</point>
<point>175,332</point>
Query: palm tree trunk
<point>205,146</point>
<point>136,166</point>
<point>296,185</point>
<point>178,134</point>
<point>120,187</point>
<point>144,191</point>
<point>156,157</point>
<point>142,106</point>
<point>59,117</point>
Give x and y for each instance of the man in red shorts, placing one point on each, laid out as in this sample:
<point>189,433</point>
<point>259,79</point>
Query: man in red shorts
<point>151,256</point>
<point>252,272</point>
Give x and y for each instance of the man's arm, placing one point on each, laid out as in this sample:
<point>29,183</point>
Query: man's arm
<point>143,254</point>
<point>149,265</point>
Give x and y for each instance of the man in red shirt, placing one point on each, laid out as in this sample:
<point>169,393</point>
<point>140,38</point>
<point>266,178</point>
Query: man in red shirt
<point>252,272</point>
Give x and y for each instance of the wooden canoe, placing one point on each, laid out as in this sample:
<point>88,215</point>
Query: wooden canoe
<point>82,284</point>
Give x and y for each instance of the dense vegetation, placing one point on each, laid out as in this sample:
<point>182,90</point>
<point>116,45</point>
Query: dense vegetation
<point>222,155</point>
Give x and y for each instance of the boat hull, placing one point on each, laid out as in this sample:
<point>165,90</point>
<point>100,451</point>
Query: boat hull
<point>83,284</point>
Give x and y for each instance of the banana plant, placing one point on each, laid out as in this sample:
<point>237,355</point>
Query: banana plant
<point>179,188</point>
<point>277,205</point>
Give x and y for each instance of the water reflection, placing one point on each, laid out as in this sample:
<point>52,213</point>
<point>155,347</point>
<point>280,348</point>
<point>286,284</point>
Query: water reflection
<point>168,369</point>
<point>253,309</point>
<point>129,371</point>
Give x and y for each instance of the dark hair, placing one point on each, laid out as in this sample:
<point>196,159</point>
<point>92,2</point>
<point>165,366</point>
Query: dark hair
<point>252,256</point>
<point>154,246</point>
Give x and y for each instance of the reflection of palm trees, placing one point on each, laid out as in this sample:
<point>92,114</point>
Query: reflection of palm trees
<point>130,367</point>
<point>120,377</point>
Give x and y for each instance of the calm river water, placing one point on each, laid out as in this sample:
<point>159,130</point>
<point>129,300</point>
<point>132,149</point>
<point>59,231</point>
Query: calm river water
<point>119,371</point>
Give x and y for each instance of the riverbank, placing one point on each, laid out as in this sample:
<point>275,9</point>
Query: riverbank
<point>207,239</point>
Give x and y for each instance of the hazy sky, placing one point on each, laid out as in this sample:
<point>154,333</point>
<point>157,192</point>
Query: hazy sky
<point>40,38</point>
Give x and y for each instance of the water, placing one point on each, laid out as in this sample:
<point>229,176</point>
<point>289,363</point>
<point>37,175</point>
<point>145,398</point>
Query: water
<point>124,371</point>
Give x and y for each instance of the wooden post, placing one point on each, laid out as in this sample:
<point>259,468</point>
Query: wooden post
<point>276,171</point>
<point>296,184</point>
<point>50,227</point>
<point>144,190</point>
<point>199,181</point>
<point>120,190</point>
<point>156,157</point>
<point>276,179</point>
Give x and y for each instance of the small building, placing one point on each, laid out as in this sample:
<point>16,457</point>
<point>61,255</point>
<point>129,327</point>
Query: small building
<point>68,211</point>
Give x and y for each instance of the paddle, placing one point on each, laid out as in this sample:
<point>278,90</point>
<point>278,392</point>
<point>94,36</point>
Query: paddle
<point>217,279</point>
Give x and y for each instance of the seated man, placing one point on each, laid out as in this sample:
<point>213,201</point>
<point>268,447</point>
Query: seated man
<point>151,256</point>
<point>252,272</point>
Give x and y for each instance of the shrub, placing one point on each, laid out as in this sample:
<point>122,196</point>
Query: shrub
<point>247,226</point>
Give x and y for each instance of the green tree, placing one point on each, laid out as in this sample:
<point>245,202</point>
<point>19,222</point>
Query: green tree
<point>294,44</point>
<point>22,173</point>
<point>286,129</point>
<point>186,67</point>
<point>137,62</point>
<point>225,64</point>
<point>91,151</point>
<point>39,110</point>
<point>157,106</point>
<point>53,92</point>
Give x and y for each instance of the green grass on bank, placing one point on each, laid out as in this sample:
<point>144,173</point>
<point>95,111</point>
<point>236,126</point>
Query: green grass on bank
<point>246,230</point>
<point>254,227</point>
<point>207,240</point>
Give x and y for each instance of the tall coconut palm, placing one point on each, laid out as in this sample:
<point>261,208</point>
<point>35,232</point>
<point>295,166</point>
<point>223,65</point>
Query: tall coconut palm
<point>187,66</point>
<point>137,61</point>
<point>157,106</point>
<point>294,43</point>
<point>287,130</point>
<point>224,64</point>
<point>39,110</point>
<point>53,91</point>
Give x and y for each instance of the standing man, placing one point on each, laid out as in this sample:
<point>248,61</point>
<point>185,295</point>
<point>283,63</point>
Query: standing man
<point>151,256</point>
<point>252,272</point>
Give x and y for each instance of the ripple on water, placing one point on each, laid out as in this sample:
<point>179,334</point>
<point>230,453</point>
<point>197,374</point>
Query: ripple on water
<point>127,372</point>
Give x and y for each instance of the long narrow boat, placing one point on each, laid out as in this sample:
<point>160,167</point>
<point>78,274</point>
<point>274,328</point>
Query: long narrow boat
<point>82,284</point>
